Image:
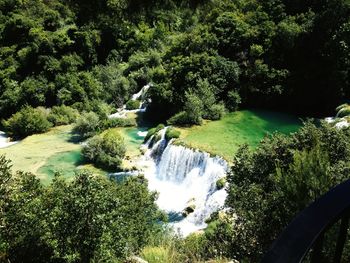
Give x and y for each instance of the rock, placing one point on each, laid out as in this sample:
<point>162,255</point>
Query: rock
<point>220,183</point>
<point>191,206</point>
<point>135,259</point>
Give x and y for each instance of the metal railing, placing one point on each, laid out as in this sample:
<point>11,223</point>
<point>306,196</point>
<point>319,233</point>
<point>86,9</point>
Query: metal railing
<point>306,232</point>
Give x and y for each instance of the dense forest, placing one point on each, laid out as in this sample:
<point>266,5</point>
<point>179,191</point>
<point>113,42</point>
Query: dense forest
<point>292,55</point>
<point>65,62</point>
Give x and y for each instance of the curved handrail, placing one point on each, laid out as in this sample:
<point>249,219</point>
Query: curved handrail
<point>309,225</point>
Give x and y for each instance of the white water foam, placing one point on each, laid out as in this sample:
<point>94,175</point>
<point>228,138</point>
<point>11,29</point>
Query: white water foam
<point>185,178</point>
<point>141,95</point>
<point>5,140</point>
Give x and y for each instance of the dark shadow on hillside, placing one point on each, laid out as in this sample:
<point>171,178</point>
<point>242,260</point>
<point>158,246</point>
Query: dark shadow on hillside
<point>142,121</point>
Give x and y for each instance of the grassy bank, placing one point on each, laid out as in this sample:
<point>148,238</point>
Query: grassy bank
<point>224,137</point>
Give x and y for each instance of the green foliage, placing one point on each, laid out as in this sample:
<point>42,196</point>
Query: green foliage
<point>27,121</point>
<point>86,220</point>
<point>215,112</point>
<point>343,110</point>
<point>106,150</point>
<point>62,115</point>
<point>87,125</point>
<point>220,183</point>
<point>269,185</point>
<point>154,131</point>
<point>192,114</point>
<point>156,254</point>
<point>271,53</point>
<point>133,105</point>
<point>180,119</point>
<point>118,122</point>
<point>172,133</point>
<point>233,100</point>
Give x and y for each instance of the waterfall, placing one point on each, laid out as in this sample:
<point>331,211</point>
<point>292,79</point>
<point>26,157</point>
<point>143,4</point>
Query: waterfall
<point>185,179</point>
<point>5,140</point>
<point>141,95</point>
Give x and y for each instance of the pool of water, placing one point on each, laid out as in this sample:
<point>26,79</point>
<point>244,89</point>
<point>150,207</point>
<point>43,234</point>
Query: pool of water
<point>225,136</point>
<point>65,163</point>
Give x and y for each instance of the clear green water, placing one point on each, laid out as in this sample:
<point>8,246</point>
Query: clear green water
<point>221,137</point>
<point>65,163</point>
<point>224,137</point>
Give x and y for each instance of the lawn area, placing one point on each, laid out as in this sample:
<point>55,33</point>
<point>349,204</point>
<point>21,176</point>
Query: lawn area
<point>224,137</point>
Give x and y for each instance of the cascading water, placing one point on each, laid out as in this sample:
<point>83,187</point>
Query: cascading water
<point>186,181</point>
<point>141,95</point>
<point>5,141</point>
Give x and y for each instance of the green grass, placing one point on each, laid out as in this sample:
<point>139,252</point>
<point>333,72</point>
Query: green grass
<point>224,137</point>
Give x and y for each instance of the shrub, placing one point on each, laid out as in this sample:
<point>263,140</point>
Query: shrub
<point>87,125</point>
<point>172,133</point>
<point>118,122</point>
<point>156,255</point>
<point>62,115</point>
<point>153,131</point>
<point>220,183</point>
<point>27,121</point>
<point>194,109</point>
<point>180,119</point>
<point>215,112</point>
<point>102,109</point>
<point>106,150</point>
<point>233,100</point>
<point>133,105</point>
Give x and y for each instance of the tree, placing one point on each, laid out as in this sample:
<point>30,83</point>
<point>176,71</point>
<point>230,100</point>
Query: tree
<point>106,150</point>
<point>87,125</point>
<point>270,185</point>
<point>27,121</point>
<point>85,220</point>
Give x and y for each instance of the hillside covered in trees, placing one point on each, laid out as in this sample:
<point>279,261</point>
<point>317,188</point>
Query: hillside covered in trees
<point>291,55</point>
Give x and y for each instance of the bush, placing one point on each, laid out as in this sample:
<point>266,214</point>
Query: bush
<point>172,133</point>
<point>62,115</point>
<point>106,150</point>
<point>86,219</point>
<point>102,109</point>
<point>215,112</point>
<point>233,100</point>
<point>153,131</point>
<point>157,255</point>
<point>118,122</point>
<point>133,105</point>
<point>220,183</point>
<point>27,121</point>
<point>87,125</point>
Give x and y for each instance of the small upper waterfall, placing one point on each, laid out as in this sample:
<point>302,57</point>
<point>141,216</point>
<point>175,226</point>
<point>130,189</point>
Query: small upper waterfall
<point>186,181</point>
<point>141,95</point>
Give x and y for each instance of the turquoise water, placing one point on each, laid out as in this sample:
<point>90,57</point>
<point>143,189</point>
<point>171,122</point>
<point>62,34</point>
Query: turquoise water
<point>65,163</point>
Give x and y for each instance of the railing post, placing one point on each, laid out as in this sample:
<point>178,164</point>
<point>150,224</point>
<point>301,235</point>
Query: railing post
<point>343,231</point>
